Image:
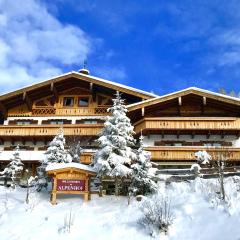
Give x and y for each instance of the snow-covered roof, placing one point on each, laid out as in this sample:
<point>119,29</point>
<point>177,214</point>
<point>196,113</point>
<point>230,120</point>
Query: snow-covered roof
<point>77,74</point>
<point>80,166</point>
<point>186,90</point>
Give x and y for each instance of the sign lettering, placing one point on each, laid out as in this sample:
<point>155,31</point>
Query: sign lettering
<point>70,185</point>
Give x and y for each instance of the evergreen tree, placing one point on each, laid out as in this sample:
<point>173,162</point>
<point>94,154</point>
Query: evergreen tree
<point>14,168</point>
<point>141,178</point>
<point>115,152</point>
<point>74,148</point>
<point>56,152</point>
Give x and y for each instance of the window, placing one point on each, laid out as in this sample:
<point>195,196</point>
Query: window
<point>90,122</point>
<point>23,123</point>
<point>68,101</point>
<point>56,122</point>
<point>83,102</point>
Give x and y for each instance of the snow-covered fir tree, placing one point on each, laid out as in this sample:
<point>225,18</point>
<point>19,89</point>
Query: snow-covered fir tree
<point>116,141</point>
<point>74,148</point>
<point>56,152</point>
<point>14,168</point>
<point>141,182</point>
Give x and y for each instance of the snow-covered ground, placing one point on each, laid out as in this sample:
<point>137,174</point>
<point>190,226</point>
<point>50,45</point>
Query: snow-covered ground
<point>198,215</point>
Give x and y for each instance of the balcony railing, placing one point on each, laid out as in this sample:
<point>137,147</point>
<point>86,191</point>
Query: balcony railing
<point>185,153</point>
<point>187,124</point>
<point>50,130</point>
<point>37,156</point>
<point>50,111</point>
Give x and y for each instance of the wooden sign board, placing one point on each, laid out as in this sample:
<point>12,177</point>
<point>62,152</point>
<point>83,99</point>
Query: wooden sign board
<point>70,180</point>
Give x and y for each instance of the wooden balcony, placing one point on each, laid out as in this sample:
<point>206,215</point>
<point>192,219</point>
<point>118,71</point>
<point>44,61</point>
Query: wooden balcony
<point>185,153</point>
<point>50,111</point>
<point>186,123</point>
<point>50,130</point>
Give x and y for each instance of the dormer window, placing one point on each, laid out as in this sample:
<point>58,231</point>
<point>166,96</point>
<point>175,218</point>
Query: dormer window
<point>68,101</point>
<point>83,101</point>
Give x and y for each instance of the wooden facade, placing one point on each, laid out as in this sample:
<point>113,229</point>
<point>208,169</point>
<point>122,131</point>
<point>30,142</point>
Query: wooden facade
<point>175,126</point>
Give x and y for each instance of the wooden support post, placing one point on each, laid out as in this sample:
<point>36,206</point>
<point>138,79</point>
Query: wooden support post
<point>143,111</point>
<point>86,197</point>
<point>91,86</point>
<point>54,191</point>
<point>162,134</point>
<point>193,135</point>
<point>178,133</point>
<point>208,134</point>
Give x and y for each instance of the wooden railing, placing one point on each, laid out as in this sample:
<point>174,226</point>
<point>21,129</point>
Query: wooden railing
<point>182,123</point>
<point>81,111</point>
<point>50,130</point>
<point>50,111</point>
<point>184,153</point>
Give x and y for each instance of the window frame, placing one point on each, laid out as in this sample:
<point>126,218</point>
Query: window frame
<point>64,98</point>
<point>79,98</point>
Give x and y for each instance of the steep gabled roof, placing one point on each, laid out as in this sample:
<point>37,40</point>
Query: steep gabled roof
<point>83,77</point>
<point>191,90</point>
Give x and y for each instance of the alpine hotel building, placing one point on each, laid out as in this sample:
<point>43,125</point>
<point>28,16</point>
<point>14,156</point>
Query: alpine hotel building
<point>175,126</point>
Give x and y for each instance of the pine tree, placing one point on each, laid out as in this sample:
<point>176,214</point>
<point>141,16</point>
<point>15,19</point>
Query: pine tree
<point>56,152</point>
<point>141,179</point>
<point>116,141</point>
<point>14,168</point>
<point>74,148</point>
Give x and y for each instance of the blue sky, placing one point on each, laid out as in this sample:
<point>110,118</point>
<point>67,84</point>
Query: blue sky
<point>159,46</point>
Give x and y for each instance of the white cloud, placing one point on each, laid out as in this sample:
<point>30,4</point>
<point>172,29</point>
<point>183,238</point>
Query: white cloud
<point>35,45</point>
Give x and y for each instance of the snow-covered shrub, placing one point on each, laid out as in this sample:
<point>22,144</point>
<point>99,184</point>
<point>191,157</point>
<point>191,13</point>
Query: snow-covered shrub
<point>116,141</point>
<point>141,182</point>
<point>203,157</point>
<point>218,164</point>
<point>157,214</point>
<point>14,169</point>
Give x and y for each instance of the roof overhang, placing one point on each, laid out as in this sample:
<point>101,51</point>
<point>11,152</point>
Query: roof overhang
<point>83,77</point>
<point>184,92</point>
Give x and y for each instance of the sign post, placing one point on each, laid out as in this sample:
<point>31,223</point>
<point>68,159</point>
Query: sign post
<point>71,180</point>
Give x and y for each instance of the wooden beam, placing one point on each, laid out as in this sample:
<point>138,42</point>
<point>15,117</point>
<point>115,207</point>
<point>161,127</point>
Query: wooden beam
<point>91,86</point>
<point>94,93</point>
<point>54,91</point>
<point>3,109</point>
<point>27,100</point>
<point>204,101</point>
<point>143,111</point>
<point>179,101</point>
